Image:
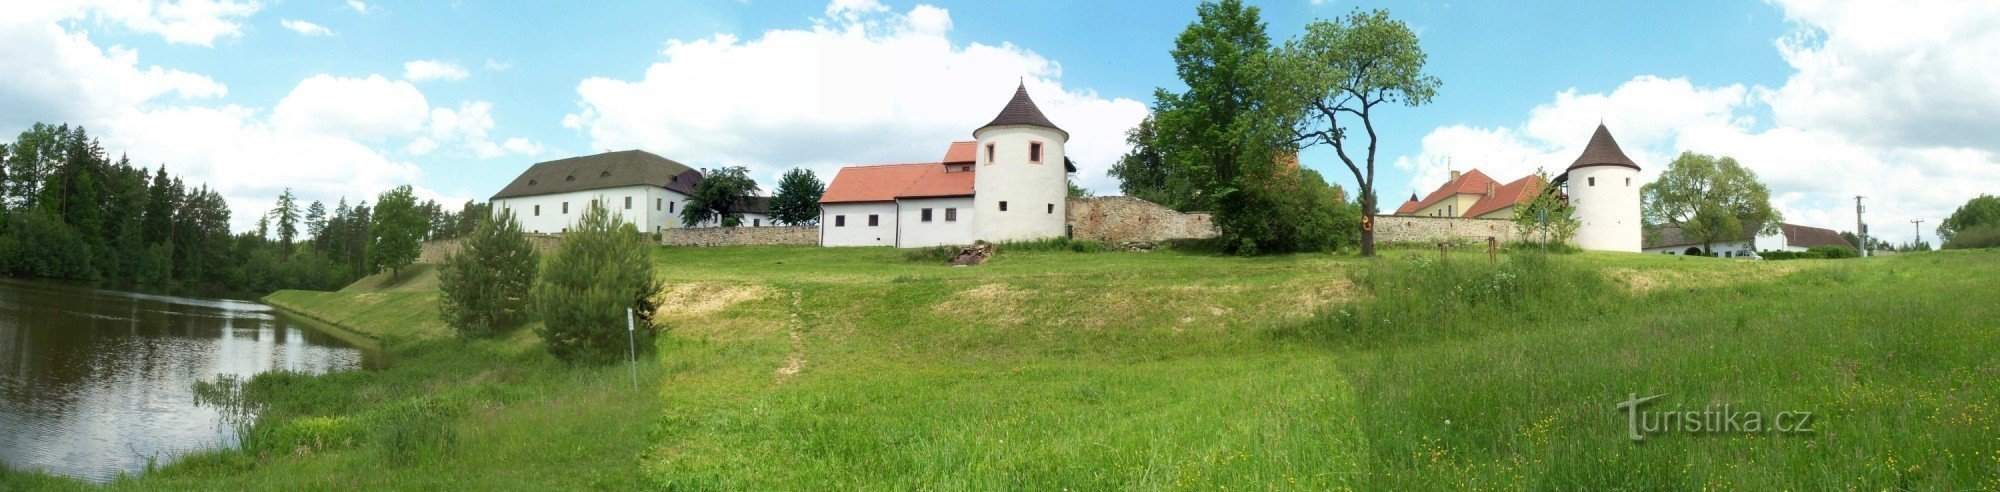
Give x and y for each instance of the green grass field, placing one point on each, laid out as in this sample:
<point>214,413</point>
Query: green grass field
<point>804,368</point>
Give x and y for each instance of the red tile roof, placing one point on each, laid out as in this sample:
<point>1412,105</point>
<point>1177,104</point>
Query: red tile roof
<point>1520,191</point>
<point>1471,182</point>
<point>891,181</point>
<point>1808,237</point>
<point>962,152</point>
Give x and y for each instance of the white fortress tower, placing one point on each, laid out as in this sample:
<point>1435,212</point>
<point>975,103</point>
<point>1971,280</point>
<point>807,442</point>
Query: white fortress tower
<point>1603,185</point>
<point>1022,184</point>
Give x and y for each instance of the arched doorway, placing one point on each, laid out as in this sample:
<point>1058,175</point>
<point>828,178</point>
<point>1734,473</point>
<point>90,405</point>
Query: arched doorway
<point>1692,252</point>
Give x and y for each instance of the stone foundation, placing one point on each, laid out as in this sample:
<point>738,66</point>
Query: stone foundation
<point>740,236</point>
<point>1423,229</point>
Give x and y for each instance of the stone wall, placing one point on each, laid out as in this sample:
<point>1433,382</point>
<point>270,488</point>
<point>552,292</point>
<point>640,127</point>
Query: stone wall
<point>435,251</point>
<point>1423,229</point>
<point>741,236</point>
<point>1123,218</point>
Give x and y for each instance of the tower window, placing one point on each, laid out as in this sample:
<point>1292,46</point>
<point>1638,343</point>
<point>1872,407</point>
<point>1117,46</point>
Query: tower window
<point>989,153</point>
<point>874,220</point>
<point>1628,182</point>
<point>1035,152</point>
<point>840,221</point>
<point>1003,206</point>
<point>670,206</point>
<point>927,215</point>
<point>538,210</point>
<point>1593,181</point>
<point>565,208</point>
<point>628,203</point>
<point>951,215</point>
<point>1052,208</point>
<point>656,203</point>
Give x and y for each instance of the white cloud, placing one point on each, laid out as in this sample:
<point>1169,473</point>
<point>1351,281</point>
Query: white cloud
<point>372,108</point>
<point>182,22</point>
<point>862,86</point>
<point>427,70</point>
<point>1891,102</point>
<point>468,125</point>
<point>497,65</point>
<point>358,6</point>
<point>305,28</point>
<point>54,75</point>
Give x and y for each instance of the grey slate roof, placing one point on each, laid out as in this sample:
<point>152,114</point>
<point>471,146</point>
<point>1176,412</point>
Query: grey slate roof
<point>1602,151</point>
<point>606,170</point>
<point>1021,111</point>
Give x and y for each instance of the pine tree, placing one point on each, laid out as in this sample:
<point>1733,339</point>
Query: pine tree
<point>601,268</point>
<point>287,214</point>
<point>316,219</point>
<point>484,286</point>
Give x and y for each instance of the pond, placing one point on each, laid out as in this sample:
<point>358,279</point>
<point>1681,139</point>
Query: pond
<point>94,383</point>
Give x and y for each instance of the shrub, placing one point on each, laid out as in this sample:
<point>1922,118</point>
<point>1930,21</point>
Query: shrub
<point>1832,252</point>
<point>483,287</point>
<point>600,269</point>
<point>1983,236</point>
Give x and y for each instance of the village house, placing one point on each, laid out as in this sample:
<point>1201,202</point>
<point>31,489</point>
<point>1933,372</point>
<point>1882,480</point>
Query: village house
<point>1790,237</point>
<point>646,190</point>
<point>1473,194</point>
<point>1009,183</point>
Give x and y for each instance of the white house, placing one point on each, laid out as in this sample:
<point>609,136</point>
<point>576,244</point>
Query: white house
<point>645,189</point>
<point>1010,183</point>
<point>1603,186</point>
<point>1790,237</point>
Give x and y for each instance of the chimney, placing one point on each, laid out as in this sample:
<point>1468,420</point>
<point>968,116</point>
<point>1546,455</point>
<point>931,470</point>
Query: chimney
<point>1489,188</point>
<point>1454,177</point>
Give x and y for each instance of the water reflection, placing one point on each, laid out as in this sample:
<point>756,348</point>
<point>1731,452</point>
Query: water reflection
<point>95,382</point>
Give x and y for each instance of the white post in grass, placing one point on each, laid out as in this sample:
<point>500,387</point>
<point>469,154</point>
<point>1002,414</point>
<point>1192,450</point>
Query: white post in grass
<point>632,340</point>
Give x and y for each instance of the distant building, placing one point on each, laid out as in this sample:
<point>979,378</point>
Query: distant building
<point>1011,182</point>
<point>646,190</point>
<point>1474,195</point>
<point>1603,186</point>
<point>1790,237</point>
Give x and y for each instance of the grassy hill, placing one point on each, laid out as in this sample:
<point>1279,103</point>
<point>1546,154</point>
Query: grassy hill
<point>801,367</point>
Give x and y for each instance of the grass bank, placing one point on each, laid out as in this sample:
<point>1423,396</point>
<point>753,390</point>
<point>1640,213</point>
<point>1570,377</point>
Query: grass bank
<point>804,368</point>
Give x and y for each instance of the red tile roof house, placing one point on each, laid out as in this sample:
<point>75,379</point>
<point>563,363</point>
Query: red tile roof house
<point>1790,237</point>
<point>1010,183</point>
<point>1474,195</point>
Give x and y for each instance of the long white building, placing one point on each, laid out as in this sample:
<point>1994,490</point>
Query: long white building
<point>646,190</point>
<point>1011,182</point>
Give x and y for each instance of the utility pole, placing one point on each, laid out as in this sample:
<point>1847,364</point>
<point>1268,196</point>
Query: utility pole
<point>1860,228</point>
<point>1919,229</point>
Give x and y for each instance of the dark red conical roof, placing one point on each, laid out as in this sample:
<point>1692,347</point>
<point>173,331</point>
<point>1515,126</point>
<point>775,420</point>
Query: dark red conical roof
<point>1602,151</point>
<point>1021,111</point>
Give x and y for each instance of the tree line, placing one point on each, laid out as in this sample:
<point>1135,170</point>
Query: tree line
<point>70,211</point>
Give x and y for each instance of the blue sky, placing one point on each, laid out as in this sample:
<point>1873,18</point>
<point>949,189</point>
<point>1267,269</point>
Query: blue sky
<point>243,95</point>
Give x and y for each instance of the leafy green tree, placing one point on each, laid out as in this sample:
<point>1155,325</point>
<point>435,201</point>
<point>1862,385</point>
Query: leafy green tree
<point>1546,215</point>
<point>1983,210</point>
<point>1711,200</point>
<point>1198,134</point>
<point>601,268</point>
<point>1342,73</point>
<point>1143,173</point>
<point>35,154</point>
<point>797,200</point>
<point>719,197</point>
<point>1077,191</point>
<point>397,232</point>
<point>287,215</point>
<point>484,286</point>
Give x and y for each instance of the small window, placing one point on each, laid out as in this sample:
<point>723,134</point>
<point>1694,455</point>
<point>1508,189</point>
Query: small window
<point>656,203</point>
<point>756,222</point>
<point>1052,208</point>
<point>1593,181</point>
<point>965,168</point>
<point>840,221</point>
<point>951,215</point>
<point>628,203</point>
<point>874,220</point>
<point>927,215</point>
<point>565,209</point>
<point>1035,152</point>
<point>1003,206</point>
<point>989,153</point>
<point>670,206</point>
<point>538,210</point>
<point>1628,182</point>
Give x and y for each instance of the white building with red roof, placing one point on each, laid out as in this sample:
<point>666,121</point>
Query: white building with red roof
<point>1602,186</point>
<point>1011,182</point>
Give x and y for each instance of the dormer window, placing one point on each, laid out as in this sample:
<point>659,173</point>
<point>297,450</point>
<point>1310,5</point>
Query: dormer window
<point>571,177</point>
<point>605,174</point>
<point>989,153</point>
<point>532,182</point>
<point>1035,152</point>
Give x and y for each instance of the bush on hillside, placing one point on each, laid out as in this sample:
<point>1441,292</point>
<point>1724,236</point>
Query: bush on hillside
<point>1833,252</point>
<point>601,268</point>
<point>484,286</point>
<point>1984,236</point>
<point>1791,255</point>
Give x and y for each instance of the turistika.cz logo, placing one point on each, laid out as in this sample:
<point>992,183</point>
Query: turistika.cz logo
<point>1721,418</point>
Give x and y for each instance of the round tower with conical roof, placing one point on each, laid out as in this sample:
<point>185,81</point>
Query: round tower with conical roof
<point>1022,184</point>
<point>1603,186</point>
